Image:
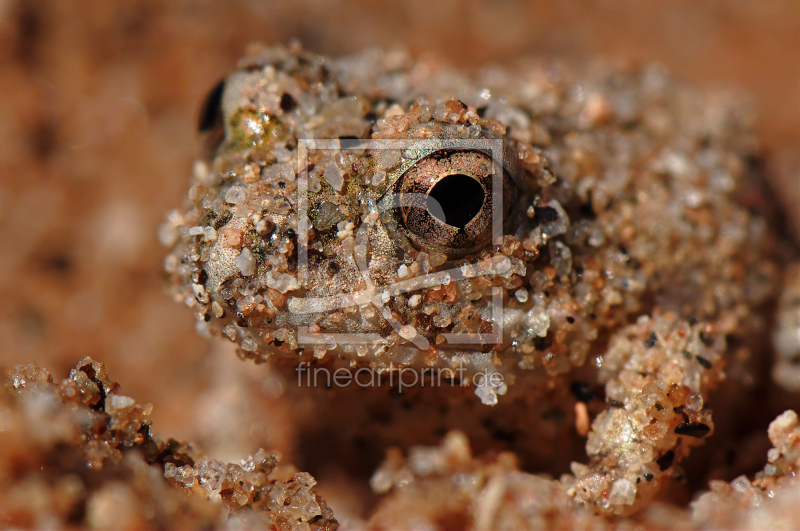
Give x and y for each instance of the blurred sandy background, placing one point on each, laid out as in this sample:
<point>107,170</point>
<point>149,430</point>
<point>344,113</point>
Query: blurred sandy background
<point>99,102</point>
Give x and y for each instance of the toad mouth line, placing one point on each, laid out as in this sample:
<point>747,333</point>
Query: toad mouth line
<point>378,298</point>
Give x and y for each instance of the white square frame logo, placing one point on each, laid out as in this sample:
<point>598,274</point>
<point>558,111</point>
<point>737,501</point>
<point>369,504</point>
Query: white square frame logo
<point>379,293</point>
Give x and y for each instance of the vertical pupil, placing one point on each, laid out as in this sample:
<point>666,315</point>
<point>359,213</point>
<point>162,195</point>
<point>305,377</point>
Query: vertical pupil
<point>460,198</point>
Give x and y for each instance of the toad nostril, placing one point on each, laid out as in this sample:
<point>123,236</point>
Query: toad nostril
<point>459,197</point>
<point>211,113</point>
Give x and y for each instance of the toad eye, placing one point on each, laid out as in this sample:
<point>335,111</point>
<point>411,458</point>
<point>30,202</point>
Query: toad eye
<point>446,200</point>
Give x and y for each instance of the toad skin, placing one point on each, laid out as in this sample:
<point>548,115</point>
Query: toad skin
<point>618,247</point>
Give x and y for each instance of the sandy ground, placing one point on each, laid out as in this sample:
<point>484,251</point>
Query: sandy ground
<point>97,133</point>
